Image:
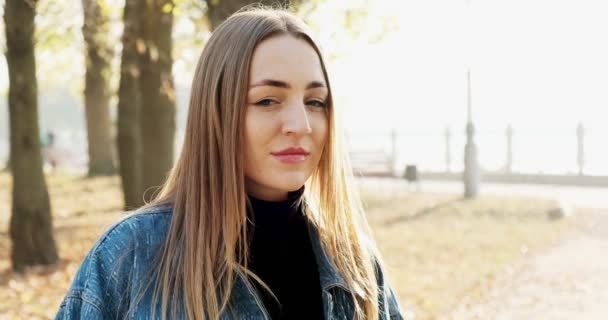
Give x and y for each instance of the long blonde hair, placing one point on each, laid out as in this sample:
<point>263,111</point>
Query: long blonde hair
<point>206,245</point>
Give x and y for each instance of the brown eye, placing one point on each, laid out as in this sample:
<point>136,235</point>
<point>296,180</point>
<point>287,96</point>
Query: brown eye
<point>265,102</point>
<point>317,103</point>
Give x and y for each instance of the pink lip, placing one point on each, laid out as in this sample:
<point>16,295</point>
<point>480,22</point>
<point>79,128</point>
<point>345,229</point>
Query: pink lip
<point>291,155</point>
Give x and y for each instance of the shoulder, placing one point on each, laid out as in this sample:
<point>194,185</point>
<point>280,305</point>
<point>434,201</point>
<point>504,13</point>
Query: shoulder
<point>142,227</point>
<point>120,258</point>
<point>137,235</point>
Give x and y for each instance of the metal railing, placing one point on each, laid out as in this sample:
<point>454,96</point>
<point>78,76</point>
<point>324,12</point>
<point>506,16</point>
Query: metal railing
<point>534,154</point>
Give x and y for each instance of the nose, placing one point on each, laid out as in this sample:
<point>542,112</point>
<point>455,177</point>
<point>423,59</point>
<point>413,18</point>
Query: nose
<point>296,119</point>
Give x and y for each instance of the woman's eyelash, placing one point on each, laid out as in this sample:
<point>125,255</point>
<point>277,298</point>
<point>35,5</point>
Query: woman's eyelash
<point>318,103</point>
<point>264,102</point>
<point>268,102</point>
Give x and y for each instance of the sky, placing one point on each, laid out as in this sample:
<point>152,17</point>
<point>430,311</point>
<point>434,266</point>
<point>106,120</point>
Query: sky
<point>532,62</point>
<point>535,64</point>
<point>541,66</point>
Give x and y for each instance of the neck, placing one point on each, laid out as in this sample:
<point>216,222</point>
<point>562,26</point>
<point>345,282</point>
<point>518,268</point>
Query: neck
<point>284,197</point>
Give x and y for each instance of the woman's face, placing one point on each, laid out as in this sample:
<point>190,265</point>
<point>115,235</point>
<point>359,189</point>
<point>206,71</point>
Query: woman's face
<point>286,117</point>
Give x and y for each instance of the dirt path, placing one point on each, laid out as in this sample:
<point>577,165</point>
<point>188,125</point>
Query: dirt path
<point>569,281</point>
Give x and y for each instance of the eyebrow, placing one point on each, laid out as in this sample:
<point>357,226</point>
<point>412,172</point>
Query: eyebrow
<point>283,84</point>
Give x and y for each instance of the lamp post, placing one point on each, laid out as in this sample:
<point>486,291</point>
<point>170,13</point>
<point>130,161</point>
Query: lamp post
<point>448,149</point>
<point>580,139</point>
<point>509,164</point>
<point>471,167</point>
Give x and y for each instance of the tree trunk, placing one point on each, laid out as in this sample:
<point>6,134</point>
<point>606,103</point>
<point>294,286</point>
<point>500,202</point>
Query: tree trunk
<point>98,54</point>
<point>157,93</point>
<point>31,228</point>
<point>129,108</point>
<point>219,10</point>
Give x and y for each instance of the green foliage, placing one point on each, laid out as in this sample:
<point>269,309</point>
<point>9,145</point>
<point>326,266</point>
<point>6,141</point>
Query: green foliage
<point>191,32</point>
<point>344,27</point>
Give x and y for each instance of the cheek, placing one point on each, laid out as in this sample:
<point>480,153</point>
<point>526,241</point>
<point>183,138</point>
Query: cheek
<point>256,137</point>
<point>249,142</point>
<point>321,130</point>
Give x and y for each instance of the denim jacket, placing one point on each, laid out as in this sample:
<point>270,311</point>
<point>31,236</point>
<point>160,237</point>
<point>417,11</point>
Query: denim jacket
<point>111,273</point>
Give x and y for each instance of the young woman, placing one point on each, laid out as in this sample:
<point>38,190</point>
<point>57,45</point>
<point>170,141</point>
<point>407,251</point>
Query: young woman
<point>257,219</point>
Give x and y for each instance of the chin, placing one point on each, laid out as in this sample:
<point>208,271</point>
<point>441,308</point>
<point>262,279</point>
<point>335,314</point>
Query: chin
<point>289,185</point>
<point>290,182</point>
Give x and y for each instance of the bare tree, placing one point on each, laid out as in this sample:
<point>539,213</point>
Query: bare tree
<point>129,107</point>
<point>31,229</point>
<point>98,53</point>
<point>157,92</point>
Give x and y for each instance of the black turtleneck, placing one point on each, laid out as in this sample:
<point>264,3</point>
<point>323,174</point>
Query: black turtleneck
<point>282,256</point>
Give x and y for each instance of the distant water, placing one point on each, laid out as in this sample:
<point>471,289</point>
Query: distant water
<point>551,152</point>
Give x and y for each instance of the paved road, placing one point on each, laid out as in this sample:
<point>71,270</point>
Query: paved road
<point>569,281</point>
<point>575,196</point>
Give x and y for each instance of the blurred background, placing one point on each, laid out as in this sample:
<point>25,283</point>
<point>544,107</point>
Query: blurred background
<point>476,131</point>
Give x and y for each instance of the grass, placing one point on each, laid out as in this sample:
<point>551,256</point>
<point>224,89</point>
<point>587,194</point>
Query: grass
<point>82,209</point>
<point>438,248</point>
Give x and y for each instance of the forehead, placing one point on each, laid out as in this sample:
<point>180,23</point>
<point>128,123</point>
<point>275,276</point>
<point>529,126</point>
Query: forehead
<point>285,58</point>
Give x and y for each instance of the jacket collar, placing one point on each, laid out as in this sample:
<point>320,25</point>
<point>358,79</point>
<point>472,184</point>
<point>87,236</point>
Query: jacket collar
<point>247,304</point>
<point>328,275</point>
